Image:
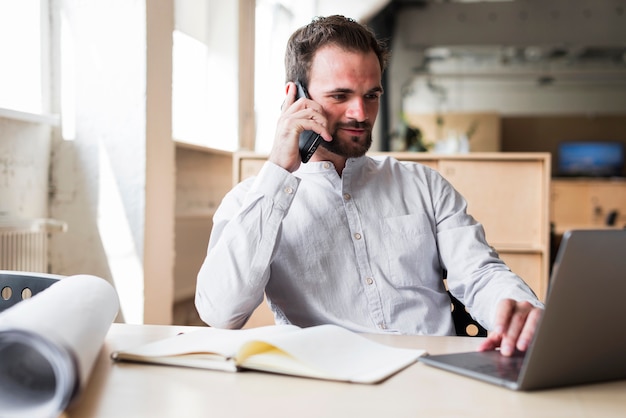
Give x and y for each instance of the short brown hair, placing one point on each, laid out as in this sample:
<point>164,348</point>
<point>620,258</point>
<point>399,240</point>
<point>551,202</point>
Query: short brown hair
<point>337,30</point>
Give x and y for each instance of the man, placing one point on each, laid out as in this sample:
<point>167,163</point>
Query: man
<point>349,239</point>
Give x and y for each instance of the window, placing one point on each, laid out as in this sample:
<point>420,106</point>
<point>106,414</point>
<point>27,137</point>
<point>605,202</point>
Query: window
<point>275,22</point>
<point>205,74</point>
<point>23,70</point>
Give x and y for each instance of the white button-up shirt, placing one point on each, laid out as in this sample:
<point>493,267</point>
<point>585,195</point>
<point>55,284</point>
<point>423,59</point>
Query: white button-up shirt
<point>365,251</point>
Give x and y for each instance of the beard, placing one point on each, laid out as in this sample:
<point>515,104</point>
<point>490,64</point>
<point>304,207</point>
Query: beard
<point>353,146</point>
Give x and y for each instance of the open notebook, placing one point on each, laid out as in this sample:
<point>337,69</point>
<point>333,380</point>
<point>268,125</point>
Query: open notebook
<point>323,352</point>
<point>581,337</point>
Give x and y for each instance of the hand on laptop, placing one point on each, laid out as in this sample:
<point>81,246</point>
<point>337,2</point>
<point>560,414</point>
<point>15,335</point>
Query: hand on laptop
<point>514,328</point>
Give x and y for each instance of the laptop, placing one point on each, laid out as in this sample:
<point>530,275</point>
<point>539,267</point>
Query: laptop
<point>581,337</point>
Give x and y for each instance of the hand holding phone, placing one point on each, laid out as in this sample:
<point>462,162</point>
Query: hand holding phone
<point>309,140</point>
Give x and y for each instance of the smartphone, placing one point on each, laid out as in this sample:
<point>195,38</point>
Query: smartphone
<point>309,140</point>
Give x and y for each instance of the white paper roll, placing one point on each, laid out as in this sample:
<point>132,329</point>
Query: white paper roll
<point>49,343</point>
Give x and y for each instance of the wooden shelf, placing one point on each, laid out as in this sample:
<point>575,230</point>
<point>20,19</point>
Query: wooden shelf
<point>201,148</point>
<point>199,214</point>
<point>583,203</point>
<point>203,177</point>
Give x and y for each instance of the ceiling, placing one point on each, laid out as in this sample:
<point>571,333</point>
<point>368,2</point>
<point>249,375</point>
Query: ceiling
<point>573,34</point>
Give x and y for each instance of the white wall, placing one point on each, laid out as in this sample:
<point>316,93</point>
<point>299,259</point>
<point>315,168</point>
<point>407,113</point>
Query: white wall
<point>121,160</point>
<point>24,164</point>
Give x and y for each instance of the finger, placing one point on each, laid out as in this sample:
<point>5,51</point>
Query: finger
<point>528,332</point>
<point>319,128</point>
<point>504,312</point>
<point>515,328</point>
<point>290,96</point>
<point>504,315</point>
<point>312,119</point>
<point>305,114</point>
<point>491,342</point>
<point>301,102</point>
<point>308,109</point>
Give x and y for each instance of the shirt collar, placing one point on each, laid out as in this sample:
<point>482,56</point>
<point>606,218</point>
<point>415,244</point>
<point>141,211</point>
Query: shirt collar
<point>323,166</point>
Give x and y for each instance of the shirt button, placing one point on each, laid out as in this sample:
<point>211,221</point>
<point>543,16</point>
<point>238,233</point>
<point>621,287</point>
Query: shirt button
<point>288,190</point>
<point>347,196</point>
<point>369,280</point>
<point>382,326</point>
<point>357,236</point>
<point>326,165</point>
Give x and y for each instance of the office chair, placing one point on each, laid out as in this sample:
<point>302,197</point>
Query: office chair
<point>16,286</point>
<point>464,324</point>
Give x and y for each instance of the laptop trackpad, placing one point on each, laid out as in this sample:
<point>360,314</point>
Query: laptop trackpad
<point>485,365</point>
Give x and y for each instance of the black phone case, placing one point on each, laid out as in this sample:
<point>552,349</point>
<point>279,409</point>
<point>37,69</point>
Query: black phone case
<point>309,140</point>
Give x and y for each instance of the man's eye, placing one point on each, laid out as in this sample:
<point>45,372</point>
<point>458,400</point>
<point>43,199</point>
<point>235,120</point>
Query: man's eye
<point>339,97</point>
<point>373,96</point>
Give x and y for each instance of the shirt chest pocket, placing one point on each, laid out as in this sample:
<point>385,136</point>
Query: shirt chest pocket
<point>411,250</point>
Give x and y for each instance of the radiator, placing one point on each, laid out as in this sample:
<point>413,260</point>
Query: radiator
<point>24,244</point>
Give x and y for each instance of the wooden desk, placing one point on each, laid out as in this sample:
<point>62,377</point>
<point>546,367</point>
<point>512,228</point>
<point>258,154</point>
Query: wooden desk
<point>133,390</point>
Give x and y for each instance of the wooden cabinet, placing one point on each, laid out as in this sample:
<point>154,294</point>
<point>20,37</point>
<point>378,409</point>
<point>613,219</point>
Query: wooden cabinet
<point>203,177</point>
<point>507,192</point>
<point>587,203</point>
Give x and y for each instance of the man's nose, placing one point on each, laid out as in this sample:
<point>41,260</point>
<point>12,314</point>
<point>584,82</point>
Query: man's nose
<point>356,110</point>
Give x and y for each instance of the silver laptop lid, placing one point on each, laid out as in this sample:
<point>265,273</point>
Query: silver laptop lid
<point>582,334</point>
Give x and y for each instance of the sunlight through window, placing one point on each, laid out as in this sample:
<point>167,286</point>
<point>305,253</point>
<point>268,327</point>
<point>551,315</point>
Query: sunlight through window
<point>205,76</point>
<point>20,49</point>
<point>115,231</point>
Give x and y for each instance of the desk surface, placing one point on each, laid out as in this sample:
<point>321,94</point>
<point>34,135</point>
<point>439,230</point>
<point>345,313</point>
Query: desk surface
<point>139,390</point>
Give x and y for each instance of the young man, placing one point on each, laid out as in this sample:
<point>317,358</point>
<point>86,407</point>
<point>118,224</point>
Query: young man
<point>349,239</point>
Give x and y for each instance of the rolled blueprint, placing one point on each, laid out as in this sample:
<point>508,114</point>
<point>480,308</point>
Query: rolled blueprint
<point>49,344</point>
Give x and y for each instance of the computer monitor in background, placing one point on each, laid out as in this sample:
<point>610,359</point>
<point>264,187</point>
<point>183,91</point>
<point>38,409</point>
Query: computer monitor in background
<point>590,159</point>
